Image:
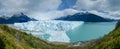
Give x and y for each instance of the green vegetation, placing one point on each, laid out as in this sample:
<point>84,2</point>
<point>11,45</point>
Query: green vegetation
<point>14,39</point>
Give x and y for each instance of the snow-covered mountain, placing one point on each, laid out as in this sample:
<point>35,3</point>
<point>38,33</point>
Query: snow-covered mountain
<point>86,17</point>
<point>15,18</point>
<point>49,30</point>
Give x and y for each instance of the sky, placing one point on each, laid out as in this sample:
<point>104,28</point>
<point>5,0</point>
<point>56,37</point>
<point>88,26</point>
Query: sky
<point>49,9</point>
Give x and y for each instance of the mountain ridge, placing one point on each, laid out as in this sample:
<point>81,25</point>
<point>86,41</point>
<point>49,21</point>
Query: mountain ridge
<point>86,17</point>
<point>16,18</point>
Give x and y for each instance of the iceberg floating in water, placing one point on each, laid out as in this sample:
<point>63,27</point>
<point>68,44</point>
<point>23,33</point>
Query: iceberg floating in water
<point>50,30</point>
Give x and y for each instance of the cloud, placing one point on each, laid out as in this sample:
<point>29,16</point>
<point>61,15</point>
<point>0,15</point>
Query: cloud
<point>53,14</point>
<point>67,4</point>
<point>44,5</point>
<point>12,6</point>
<point>9,7</point>
<point>89,4</point>
<point>48,9</point>
<point>112,6</point>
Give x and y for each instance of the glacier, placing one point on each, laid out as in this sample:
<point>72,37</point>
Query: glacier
<point>50,30</point>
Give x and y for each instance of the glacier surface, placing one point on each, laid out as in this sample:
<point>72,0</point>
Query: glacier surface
<point>50,30</point>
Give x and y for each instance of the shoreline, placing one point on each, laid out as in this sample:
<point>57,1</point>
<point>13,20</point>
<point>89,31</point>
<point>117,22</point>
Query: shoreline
<point>75,44</point>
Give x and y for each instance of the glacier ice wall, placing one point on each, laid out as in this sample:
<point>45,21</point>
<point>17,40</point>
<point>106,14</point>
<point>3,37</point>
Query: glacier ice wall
<point>50,30</point>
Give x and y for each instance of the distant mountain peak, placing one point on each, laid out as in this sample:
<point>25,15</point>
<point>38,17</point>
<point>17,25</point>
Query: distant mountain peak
<point>20,17</point>
<point>85,16</point>
<point>18,14</point>
<point>4,17</point>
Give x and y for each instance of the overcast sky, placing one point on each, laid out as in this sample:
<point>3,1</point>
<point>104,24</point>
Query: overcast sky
<point>53,8</point>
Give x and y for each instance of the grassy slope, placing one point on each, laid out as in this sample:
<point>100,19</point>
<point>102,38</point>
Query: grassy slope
<point>14,39</point>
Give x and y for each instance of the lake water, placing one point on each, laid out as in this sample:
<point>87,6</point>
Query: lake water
<point>89,31</point>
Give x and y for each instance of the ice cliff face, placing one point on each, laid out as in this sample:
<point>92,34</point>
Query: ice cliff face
<point>49,30</point>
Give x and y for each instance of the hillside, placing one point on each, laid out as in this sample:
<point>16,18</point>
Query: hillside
<point>14,39</point>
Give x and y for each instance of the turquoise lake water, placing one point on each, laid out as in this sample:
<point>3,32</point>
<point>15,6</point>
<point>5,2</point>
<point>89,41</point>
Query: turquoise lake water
<point>89,31</point>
